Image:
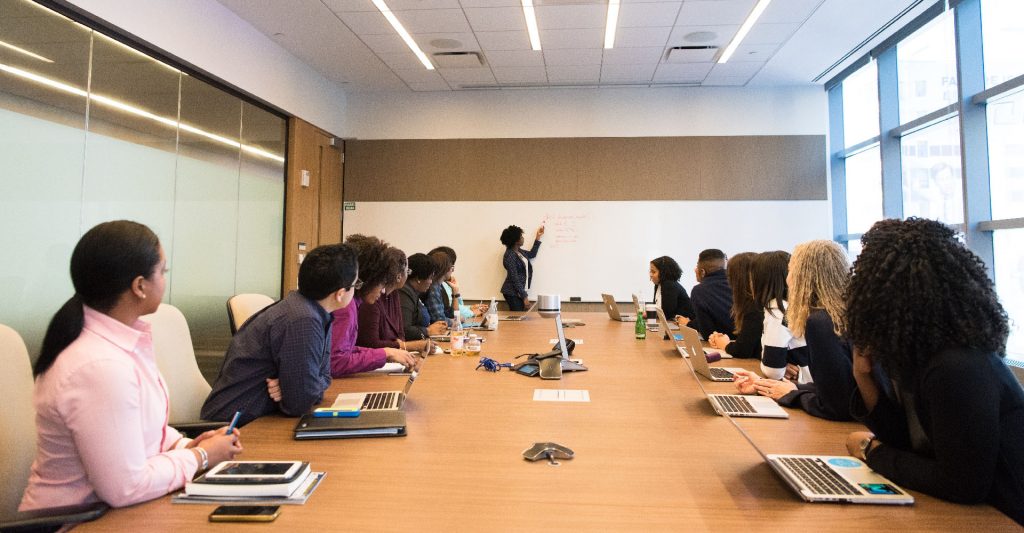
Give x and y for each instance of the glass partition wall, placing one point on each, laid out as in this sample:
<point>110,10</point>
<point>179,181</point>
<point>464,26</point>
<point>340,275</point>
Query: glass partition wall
<point>93,130</point>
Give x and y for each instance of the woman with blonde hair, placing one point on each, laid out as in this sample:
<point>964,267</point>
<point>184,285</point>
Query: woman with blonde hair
<point>819,273</point>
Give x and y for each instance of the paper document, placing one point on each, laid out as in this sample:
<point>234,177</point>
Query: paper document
<point>389,368</point>
<point>560,395</point>
<point>577,341</point>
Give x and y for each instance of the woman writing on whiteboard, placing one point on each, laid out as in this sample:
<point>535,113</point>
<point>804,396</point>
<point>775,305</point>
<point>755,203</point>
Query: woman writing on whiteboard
<point>519,270</point>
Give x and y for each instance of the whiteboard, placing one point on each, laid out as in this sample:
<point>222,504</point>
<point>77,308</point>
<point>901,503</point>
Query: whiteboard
<point>588,247</point>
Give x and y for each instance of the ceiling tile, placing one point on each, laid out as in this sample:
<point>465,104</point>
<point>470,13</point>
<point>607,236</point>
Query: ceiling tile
<point>714,12</point>
<point>434,21</point>
<point>405,5</point>
<point>520,74</point>
<point>366,23</point>
<point>467,42</point>
<point>637,73</point>
<point>633,56</point>
<point>339,6</point>
<point>637,37</point>
<point>438,85</point>
<point>515,58</point>
<point>405,60</point>
<point>701,35</point>
<point>781,11</point>
<point>736,69</point>
<point>418,75</point>
<point>496,18</point>
<point>455,76</point>
<point>648,15</point>
<point>573,57</point>
<point>571,17</point>
<point>385,43</point>
<point>770,33</point>
<point>503,40</point>
<point>579,74</point>
<point>754,52</point>
<point>589,38</point>
<point>491,3</point>
<point>677,72</point>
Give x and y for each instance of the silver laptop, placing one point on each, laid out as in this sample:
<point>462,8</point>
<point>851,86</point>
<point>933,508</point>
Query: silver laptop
<point>476,322</point>
<point>374,401</point>
<point>700,361</point>
<point>743,405</point>
<point>680,340</point>
<point>831,478</point>
<point>516,318</point>
<point>613,309</point>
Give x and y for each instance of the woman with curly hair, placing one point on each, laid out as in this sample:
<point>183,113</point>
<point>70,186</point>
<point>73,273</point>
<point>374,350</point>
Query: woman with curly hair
<point>518,268</point>
<point>669,294</point>
<point>818,275</point>
<point>746,315</point>
<point>379,267</point>
<point>929,336</point>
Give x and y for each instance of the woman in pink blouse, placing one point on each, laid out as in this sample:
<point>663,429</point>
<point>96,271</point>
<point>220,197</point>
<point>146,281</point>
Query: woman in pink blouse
<point>101,404</point>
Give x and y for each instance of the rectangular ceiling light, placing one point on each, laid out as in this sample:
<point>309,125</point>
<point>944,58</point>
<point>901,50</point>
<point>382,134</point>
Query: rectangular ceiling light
<point>531,24</point>
<point>386,11</point>
<point>744,29</point>
<point>24,52</point>
<point>613,20</point>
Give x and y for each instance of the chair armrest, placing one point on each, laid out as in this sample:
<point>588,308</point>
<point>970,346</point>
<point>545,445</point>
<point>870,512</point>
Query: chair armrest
<point>194,429</point>
<point>53,518</point>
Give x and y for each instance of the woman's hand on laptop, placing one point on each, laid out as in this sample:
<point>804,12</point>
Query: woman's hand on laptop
<point>422,346</point>
<point>744,381</point>
<point>403,358</point>
<point>718,340</point>
<point>774,389</point>
<point>274,389</point>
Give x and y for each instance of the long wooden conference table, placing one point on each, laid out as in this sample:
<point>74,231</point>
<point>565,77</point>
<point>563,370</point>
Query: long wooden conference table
<point>650,454</point>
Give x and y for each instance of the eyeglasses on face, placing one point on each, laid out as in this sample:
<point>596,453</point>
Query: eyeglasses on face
<point>356,285</point>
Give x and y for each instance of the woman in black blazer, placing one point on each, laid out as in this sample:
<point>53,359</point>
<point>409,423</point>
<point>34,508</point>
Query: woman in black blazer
<point>672,297</point>
<point>946,414</point>
<point>518,268</point>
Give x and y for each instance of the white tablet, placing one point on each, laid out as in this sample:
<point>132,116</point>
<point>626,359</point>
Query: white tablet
<point>253,471</point>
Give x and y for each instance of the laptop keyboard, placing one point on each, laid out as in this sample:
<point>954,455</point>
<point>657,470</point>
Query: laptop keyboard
<point>379,400</point>
<point>818,477</point>
<point>720,373</point>
<point>735,404</point>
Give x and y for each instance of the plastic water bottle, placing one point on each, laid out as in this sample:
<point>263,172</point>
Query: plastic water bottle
<point>458,336</point>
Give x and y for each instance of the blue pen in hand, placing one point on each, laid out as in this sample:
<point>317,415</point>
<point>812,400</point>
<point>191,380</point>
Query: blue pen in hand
<point>234,420</point>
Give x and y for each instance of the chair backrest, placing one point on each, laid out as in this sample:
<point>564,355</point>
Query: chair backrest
<point>18,420</point>
<point>243,306</point>
<point>176,358</point>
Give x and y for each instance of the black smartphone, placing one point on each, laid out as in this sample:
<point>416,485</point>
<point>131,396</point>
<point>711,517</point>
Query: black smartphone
<point>245,513</point>
<point>528,369</point>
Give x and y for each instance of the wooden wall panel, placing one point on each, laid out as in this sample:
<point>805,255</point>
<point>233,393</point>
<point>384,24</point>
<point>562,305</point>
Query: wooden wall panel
<point>790,167</point>
<point>310,213</point>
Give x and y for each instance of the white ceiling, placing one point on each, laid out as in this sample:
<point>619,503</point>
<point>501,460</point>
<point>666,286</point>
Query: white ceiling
<point>351,43</point>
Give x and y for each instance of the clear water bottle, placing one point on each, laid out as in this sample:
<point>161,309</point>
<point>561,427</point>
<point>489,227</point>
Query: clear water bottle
<point>473,345</point>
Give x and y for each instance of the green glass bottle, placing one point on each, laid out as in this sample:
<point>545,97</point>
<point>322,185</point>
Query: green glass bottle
<point>641,324</point>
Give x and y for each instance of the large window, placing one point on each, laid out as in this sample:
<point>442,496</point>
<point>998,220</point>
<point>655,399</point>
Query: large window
<point>920,159</point>
<point>926,66</point>
<point>932,179</point>
<point>1006,155</point>
<point>863,190</point>
<point>92,130</point>
<point>1003,31</point>
<point>860,105</point>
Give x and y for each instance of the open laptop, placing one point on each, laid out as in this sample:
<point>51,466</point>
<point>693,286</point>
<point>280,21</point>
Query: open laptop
<point>680,340</point>
<point>476,322</point>
<point>743,405</point>
<point>613,309</point>
<point>831,478</point>
<point>374,401</point>
<point>700,361</point>
<point>516,318</point>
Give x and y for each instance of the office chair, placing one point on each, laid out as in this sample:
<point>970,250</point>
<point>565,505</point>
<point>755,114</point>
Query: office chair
<point>243,306</point>
<point>186,386</point>
<point>17,440</point>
